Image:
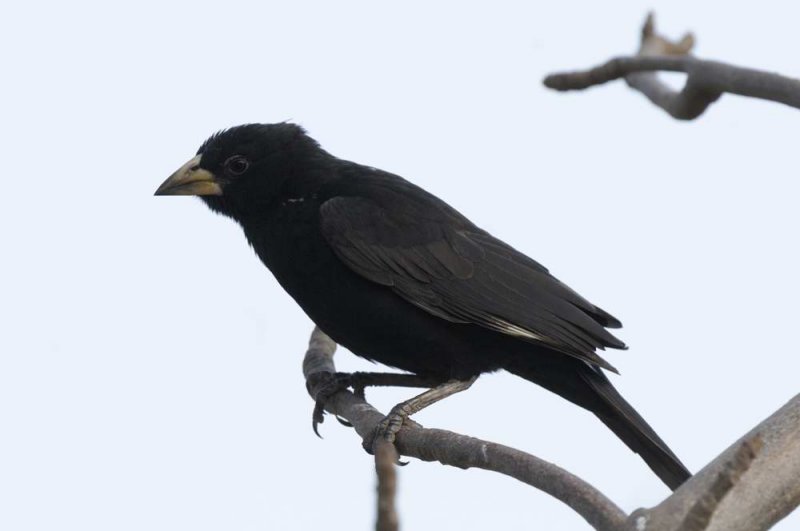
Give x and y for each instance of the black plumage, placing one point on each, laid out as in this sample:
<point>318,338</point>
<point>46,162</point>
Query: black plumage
<point>398,276</point>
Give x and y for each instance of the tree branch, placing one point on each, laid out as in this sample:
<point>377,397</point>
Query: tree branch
<point>706,80</point>
<point>385,459</point>
<point>699,516</point>
<point>749,487</point>
<point>458,450</point>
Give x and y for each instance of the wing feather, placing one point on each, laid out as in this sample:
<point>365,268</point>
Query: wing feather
<point>436,259</point>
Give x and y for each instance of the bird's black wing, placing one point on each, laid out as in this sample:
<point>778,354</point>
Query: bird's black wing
<point>396,234</point>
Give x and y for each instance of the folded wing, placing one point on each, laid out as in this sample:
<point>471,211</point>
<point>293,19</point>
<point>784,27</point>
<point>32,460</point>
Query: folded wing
<point>399,236</point>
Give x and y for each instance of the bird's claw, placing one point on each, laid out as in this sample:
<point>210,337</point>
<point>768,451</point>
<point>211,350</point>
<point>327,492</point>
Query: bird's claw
<point>325,385</point>
<point>343,421</point>
<point>318,416</point>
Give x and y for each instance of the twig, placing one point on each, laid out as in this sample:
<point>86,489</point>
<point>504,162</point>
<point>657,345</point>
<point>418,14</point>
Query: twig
<point>460,450</point>
<point>706,80</point>
<point>385,459</point>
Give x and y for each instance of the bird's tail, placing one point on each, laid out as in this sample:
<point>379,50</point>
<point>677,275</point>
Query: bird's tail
<point>591,389</point>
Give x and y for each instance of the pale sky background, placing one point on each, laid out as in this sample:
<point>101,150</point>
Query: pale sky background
<point>150,365</point>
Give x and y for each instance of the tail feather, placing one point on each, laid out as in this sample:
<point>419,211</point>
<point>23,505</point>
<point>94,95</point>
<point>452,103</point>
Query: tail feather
<point>634,431</point>
<point>591,389</point>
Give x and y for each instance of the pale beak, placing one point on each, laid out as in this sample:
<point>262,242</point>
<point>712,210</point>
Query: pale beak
<point>191,179</point>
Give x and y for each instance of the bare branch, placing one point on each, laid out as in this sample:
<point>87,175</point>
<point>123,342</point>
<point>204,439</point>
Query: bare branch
<point>385,459</point>
<point>699,516</point>
<point>460,450</point>
<point>749,487</point>
<point>706,80</point>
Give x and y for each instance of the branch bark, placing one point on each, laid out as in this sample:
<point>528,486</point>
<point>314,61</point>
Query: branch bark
<point>706,80</point>
<point>702,511</point>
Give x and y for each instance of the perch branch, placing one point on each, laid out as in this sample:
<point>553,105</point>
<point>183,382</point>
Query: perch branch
<point>458,450</point>
<point>705,82</point>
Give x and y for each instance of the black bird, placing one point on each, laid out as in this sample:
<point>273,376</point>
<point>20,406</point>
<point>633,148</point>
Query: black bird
<point>398,276</point>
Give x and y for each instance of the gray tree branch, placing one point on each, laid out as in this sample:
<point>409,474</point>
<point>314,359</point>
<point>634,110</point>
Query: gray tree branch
<point>385,459</point>
<point>706,80</point>
<point>749,487</point>
<point>703,509</point>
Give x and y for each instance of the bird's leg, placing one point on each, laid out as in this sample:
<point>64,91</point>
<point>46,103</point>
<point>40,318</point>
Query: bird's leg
<point>361,380</point>
<point>325,384</point>
<point>390,425</point>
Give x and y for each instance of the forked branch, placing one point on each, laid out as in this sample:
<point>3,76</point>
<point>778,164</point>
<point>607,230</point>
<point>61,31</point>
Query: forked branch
<point>705,82</point>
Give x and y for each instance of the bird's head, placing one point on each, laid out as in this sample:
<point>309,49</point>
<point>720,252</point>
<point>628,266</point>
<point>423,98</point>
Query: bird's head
<point>242,167</point>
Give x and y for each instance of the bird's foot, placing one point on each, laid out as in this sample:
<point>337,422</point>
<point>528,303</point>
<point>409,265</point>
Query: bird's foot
<point>388,428</point>
<point>324,385</point>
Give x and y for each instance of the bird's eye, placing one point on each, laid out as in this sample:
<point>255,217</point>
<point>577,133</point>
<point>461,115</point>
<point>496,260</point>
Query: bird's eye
<point>237,165</point>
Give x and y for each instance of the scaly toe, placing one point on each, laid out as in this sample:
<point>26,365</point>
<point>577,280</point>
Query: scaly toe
<point>386,429</point>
